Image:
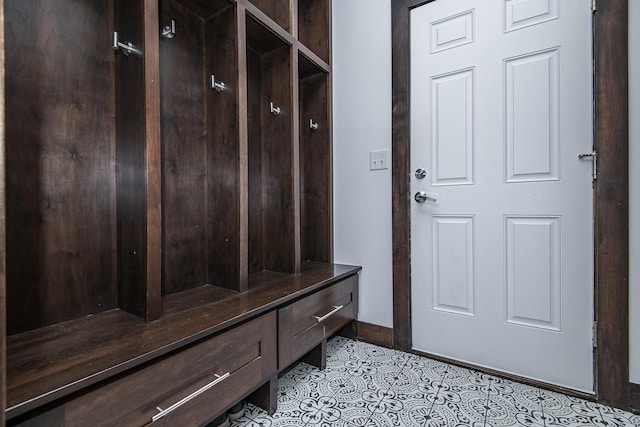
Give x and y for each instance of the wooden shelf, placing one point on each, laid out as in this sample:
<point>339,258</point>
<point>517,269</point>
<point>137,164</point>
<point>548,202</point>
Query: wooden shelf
<point>52,362</point>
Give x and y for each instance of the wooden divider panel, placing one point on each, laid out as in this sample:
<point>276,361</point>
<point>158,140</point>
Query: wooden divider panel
<point>224,160</point>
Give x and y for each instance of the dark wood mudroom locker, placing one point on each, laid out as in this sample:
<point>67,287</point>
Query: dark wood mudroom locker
<point>168,207</point>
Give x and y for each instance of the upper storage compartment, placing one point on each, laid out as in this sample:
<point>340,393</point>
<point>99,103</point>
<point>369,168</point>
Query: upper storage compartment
<point>205,9</point>
<point>273,240</point>
<point>278,10</point>
<point>314,29</point>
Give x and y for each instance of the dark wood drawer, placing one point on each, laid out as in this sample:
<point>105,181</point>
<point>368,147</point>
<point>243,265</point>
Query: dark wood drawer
<point>303,324</point>
<point>215,373</point>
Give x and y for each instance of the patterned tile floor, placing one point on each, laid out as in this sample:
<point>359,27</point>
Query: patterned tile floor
<point>367,385</point>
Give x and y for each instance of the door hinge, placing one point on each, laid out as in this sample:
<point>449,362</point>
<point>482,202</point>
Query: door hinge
<point>594,163</point>
<point>595,334</point>
<point>594,8</point>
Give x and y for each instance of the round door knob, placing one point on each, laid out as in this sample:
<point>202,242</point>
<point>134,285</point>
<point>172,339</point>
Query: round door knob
<point>421,173</point>
<point>422,197</point>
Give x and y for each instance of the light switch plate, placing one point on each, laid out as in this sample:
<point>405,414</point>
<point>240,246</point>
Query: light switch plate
<point>378,160</point>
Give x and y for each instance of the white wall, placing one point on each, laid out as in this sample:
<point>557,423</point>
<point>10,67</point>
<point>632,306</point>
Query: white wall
<point>634,190</point>
<point>362,123</point>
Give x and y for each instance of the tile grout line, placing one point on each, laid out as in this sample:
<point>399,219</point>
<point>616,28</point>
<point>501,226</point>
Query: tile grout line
<point>342,419</point>
<point>486,405</point>
<point>347,421</point>
<point>387,390</point>
<point>438,388</point>
<point>344,381</point>
<point>380,400</point>
<point>540,400</point>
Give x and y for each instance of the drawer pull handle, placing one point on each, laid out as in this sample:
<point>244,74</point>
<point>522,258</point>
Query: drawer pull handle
<point>163,412</point>
<point>336,308</point>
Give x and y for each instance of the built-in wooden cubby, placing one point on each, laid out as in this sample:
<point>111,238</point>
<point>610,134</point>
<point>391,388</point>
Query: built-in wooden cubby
<point>278,10</point>
<point>315,162</point>
<point>200,146</point>
<point>61,195</point>
<point>314,29</point>
<point>272,209</point>
<point>167,179</point>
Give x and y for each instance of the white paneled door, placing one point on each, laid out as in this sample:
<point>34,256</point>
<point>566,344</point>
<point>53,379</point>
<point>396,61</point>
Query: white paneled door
<point>502,228</point>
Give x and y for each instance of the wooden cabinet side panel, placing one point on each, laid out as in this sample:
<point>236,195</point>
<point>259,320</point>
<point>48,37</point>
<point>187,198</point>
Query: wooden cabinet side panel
<point>130,162</point>
<point>153,165</point>
<point>224,160</point>
<point>255,166</point>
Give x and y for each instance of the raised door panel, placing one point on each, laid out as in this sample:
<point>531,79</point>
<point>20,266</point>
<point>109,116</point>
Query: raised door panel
<point>453,128</point>
<point>531,116</point>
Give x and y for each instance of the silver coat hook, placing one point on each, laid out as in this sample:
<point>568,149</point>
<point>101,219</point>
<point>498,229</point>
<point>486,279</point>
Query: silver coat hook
<point>169,31</point>
<point>126,48</point>
<point>218,86</point>
<point>312,125</point>
<point>274,110</point>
